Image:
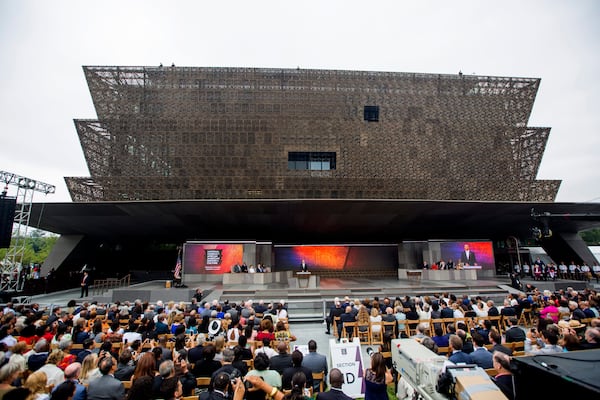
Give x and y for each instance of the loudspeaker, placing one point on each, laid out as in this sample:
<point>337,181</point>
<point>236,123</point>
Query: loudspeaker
<point>7,216</point>
<point>543,376</point>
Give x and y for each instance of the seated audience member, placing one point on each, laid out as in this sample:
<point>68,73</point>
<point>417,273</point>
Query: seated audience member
<point>87,345</point>
<point>282,333</point>
<point>227,365</point>
<point>348,316</point>
<point>261,369</point>
<point>39,355</point>
<point>480,355</point>
<point>143,376</point>
<point>54,374</point>
<point>288,373</point>
<point>336,380</point>
<point>458,356</point>
<point>166,385</point>
<point>36,383</point>
<point>125,367</point>
<point>207,366</point>
<point>106,387</point>
<point>496,341</point>
<point>315,362</point>
<point>427,342</point>
<point>504,378</point>
<point>439,338</point>
<point>283,359</point>
<point>64,391</point>
<point>514,333</point>
<point>467,340</point>
<point>546,342</point>
<point>265,330</point>
<point>592,339</point>
<point>266,349</point>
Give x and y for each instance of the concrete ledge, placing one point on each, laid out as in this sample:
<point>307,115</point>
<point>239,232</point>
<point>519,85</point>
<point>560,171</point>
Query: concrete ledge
<point>257,278</point>
<point>440,275</point>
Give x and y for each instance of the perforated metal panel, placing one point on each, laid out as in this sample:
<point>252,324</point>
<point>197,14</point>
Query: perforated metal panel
<point>225,133</point>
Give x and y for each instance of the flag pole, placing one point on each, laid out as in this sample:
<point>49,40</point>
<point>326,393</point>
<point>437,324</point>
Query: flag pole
<point>178,272</point>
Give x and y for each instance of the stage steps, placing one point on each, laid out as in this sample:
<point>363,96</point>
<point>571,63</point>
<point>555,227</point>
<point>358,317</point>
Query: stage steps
<point>313,304</point>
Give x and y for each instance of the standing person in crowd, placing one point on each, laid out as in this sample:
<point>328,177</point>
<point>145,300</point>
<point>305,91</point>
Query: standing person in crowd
<point>377,378</point>
<point>85,284</point>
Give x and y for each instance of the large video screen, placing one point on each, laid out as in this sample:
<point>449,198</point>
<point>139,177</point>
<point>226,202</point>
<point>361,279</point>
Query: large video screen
<point>337,257</point>
<point>208,258</point>
<point>472,255</point>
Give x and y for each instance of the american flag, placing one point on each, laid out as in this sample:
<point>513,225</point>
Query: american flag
<point>177,272</point>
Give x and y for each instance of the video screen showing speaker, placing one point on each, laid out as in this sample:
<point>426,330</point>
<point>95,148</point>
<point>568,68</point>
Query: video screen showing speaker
<point>7,215</point>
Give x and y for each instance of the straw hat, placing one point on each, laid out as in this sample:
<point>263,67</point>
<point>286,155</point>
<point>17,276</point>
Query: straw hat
<point>575,324</point>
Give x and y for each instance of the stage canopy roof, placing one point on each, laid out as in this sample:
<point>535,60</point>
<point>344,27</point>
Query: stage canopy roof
<point>309,221</point>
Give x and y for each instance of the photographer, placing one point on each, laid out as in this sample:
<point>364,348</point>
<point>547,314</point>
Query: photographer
<point>224,389</point>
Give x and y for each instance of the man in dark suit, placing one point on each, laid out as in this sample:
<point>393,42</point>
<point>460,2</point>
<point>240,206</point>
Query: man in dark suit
<point>222,385</point>
<point>458,356</point>
<point>304,266</point>
<point>288,373</point>
<point>282,360</point>
<point>467,257</point>
<point>347,316</point>
<point>336,379</point>
<point>85,284</point>
<point>106,387</point>
<point>195,353</point>
<point>480,355</point>
<point>514,333</point>
<point>446,311</point>
<point>315,362</point>
<point>496,340</point>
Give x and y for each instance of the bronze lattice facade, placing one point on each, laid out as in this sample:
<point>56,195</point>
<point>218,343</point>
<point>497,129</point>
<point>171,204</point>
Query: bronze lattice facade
<point>245,133</point>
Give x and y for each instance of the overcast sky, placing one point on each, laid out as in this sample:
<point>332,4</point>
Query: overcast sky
<point>45,43</point>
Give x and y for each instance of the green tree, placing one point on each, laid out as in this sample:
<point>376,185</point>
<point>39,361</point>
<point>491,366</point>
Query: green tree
<point>591,237</point>
<point>37,246</point>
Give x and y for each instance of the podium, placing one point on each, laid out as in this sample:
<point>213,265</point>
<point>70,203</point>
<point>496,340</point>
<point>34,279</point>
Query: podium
<point>306,280</point>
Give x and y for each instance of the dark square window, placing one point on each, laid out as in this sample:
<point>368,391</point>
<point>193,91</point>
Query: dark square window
<point>314,161</point>
<point>371,113</point>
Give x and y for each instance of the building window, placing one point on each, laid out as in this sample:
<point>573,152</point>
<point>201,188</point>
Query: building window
<point>371,113</point>
<point>314,161</point>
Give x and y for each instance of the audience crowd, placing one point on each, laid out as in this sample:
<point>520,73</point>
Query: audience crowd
<point>141,351</point>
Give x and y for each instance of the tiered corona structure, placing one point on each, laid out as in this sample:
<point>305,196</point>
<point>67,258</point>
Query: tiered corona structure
<point>167,133</point>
